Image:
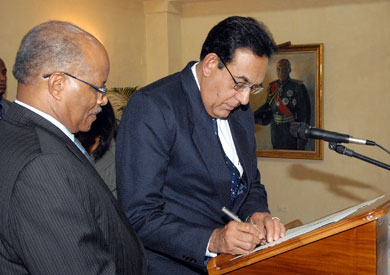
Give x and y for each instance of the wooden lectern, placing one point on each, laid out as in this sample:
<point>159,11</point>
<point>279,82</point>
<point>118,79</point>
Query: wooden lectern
<point>357,244</point>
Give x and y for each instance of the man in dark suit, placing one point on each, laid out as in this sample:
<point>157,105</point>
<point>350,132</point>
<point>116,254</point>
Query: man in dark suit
<point>175,171</point>
<point>4,104</point>
<point>57,215</point>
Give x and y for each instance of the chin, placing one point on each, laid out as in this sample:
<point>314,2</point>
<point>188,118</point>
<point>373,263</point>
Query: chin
<point>85,128</point>
<point>223,115</point>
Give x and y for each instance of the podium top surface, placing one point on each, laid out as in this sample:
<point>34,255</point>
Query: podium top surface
<point>367,212</point>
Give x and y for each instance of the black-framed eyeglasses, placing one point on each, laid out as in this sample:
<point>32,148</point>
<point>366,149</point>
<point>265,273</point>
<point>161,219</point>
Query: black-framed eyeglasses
<point>243,86</point>
<point>102,90</point>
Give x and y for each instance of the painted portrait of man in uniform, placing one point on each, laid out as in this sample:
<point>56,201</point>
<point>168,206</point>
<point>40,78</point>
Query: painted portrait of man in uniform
<point>291,94</point>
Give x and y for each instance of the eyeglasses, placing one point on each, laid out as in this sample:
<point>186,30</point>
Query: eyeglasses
<point>243,86</point>
<point>102,90</point>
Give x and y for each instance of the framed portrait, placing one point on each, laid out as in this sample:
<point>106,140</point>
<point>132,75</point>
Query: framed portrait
<point>293,92</point>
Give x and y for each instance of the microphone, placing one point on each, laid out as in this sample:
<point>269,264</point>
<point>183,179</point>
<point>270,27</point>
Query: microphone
<point>303,131</point>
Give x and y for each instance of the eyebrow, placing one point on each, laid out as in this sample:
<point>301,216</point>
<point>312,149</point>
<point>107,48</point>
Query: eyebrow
<point>244,78</point>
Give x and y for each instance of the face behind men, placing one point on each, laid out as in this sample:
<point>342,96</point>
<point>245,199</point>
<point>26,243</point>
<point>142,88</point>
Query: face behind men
<point>217,90</point>
<point>283,70</point>
<point>81,103</point>
<point>3,77</point>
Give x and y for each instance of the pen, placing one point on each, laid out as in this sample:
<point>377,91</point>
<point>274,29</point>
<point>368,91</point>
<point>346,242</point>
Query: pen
<point>230,214</point>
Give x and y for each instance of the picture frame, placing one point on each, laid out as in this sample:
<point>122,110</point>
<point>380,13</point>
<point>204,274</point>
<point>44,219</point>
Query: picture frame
<point>293,92</point>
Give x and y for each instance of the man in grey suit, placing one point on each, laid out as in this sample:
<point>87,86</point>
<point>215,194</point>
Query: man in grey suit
<point>57,215</point>
<point>4,104</point>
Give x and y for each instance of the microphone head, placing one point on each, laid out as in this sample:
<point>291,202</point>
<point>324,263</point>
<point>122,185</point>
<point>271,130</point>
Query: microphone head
<point>299,130</point>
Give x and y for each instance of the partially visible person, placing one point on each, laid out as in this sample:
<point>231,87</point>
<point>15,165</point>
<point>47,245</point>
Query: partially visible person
<point>4,104</point>
<point>186,148</point>
<point>57,216</point>
<point>287,101</point>
<point>99,142</point>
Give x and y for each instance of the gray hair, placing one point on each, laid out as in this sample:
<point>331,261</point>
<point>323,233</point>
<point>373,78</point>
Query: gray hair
<point>53,46</point>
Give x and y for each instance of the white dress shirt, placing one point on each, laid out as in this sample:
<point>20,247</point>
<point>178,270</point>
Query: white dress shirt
<point>225,136</point>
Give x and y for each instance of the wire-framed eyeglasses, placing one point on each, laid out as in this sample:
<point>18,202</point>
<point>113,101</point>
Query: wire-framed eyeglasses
<point>243,86</point>
<point>102,90</point>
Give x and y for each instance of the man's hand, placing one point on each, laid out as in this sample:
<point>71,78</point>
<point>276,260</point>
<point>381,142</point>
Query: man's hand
<point>271,226</point>
<point>235,238</point>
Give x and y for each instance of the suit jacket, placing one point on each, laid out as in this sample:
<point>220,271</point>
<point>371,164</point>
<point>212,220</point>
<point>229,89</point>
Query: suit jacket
<point>57,215</point>
<point>171,173</point>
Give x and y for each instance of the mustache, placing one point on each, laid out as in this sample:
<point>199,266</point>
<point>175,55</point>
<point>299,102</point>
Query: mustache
<point>98,110</point>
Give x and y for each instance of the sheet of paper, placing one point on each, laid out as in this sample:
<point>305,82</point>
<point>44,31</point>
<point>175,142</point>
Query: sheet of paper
<point>300,230</point>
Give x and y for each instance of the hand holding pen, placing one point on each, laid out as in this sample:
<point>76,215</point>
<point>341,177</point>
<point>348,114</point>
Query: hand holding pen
<point>234,217</point>
<point>270,227</point>
<point>235,238</point>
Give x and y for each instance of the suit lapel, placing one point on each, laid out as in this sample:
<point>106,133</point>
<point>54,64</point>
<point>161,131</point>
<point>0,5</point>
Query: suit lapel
<point>28,117</point>
<point>243,152</point>
<point>204,138</point>
<point>239,138</point>
<point>21,115</point>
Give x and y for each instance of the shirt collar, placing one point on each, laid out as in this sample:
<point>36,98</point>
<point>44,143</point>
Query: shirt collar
<point>193,69</point>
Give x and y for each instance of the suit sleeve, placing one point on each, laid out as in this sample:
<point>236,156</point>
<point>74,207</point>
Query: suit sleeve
<point>52,223</point>
<point>144,142</point>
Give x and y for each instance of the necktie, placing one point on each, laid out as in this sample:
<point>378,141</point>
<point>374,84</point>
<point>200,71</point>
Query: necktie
<point>81,147</point>
<point>237,186</point>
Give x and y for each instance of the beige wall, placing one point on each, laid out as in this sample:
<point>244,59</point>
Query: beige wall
<point>118,24</point>
<point>163,40</point>
<point>356,37</point>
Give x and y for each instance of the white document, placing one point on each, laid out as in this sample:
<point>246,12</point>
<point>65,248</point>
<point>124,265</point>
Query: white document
<point>300,230</point>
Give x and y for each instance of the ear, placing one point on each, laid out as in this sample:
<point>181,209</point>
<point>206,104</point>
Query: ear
<point>209,64</point>
<point>56,85</point>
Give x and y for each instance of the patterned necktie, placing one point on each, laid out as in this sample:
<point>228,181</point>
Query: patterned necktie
<point>237,186</point>
<point>81,147</point>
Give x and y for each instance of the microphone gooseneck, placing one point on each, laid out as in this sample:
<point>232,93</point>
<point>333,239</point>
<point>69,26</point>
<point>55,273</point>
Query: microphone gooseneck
<point>303,131</point>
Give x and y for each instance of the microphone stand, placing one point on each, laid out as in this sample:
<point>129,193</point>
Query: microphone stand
<point>350,153</point>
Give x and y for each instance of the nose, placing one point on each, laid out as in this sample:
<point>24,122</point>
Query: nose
<point>243,96</point>
<point>102,99</point>
<point>3,77</point>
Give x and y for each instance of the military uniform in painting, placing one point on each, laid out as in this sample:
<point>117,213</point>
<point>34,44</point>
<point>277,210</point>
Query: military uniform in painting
<point>289,102</point>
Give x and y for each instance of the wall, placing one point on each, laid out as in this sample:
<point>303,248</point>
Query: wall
<point>356,37</point>
<point>163,40</point>
<point>118,24</point>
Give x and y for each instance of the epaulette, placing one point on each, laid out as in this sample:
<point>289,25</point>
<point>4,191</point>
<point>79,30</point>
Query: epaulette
<point>296,81</point>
